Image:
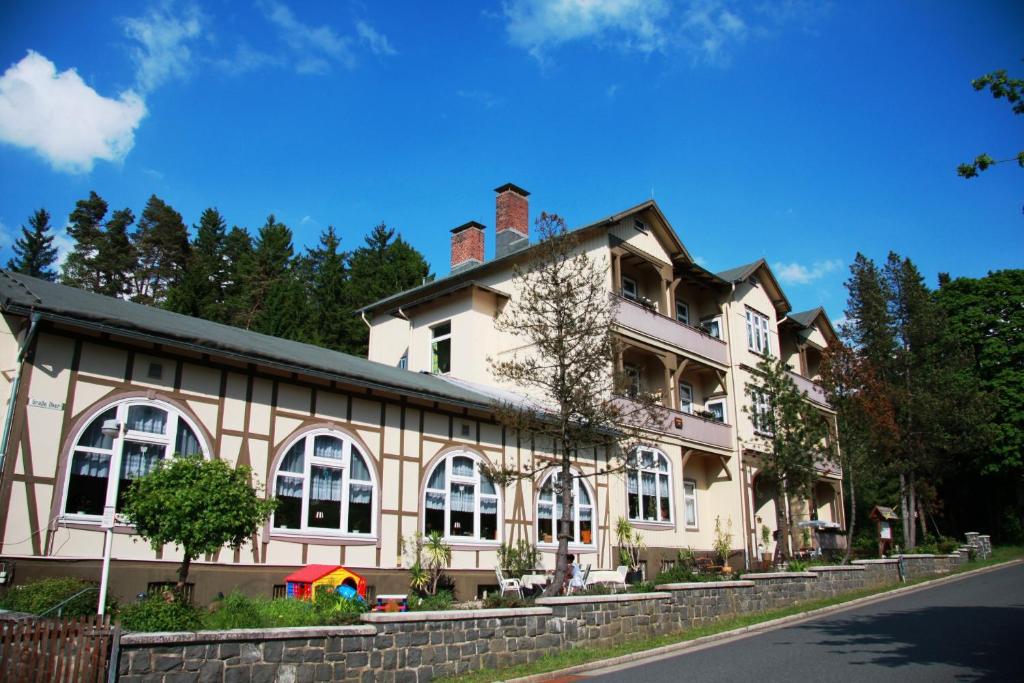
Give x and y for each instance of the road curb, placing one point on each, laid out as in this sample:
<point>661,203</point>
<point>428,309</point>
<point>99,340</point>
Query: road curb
<point>735,634</point>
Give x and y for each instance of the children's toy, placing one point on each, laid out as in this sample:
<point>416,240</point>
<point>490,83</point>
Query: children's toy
<point>304,583</point>
<point>392,603</point>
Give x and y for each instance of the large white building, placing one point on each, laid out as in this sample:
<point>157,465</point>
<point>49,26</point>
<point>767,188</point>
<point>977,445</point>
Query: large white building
<point>362,453</point>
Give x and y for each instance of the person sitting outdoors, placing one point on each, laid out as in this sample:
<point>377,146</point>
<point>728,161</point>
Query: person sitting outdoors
<point>574,577</point>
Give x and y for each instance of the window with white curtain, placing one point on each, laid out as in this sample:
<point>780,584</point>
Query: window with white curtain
<point>757,333</point>
<point>139,433</point>
<point>690,502</point>
<point>323,486</point>
<point>549,511</point>
<point>649,486</point>
<point>461,503</point>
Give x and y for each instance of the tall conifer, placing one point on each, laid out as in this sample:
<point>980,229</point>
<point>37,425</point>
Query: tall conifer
<point>86,229</point>
<point>34,252</point>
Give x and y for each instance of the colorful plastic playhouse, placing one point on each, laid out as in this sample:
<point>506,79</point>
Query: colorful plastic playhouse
<point>304,583</point>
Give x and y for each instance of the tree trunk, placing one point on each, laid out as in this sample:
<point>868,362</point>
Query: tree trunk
<point>852,522</point>
<point>922,519</point>
<point>782,525</point>
<point>905,518</point>
<point>564,532</point>
<point>179,588</point>
<point>912,504</point>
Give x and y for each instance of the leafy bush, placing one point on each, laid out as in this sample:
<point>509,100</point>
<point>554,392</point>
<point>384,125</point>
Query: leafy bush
<point>40,595</point>
<point>156,614</point>
<point>240,611</point>
<point>687,559</point>
<point>516,560</point>
<point>865,547</point>
<point>597,589</point>
<point>441,601</point>
<point>642,587</point>
<point>677,574</point>
<point>947,545</point>
<point>496,601</point>
<point>797,566</point>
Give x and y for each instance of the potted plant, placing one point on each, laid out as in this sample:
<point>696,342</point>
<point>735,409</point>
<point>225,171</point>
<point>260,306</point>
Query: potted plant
<point>723,543</point>
<point>766,542</point>
<point>631,544</point>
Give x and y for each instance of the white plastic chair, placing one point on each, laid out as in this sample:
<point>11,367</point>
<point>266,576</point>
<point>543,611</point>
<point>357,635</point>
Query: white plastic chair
<point>586,575</point>
<point>508,584</point>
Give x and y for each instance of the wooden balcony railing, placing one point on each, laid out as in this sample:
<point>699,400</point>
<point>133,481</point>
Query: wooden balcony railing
<point>647,321</point>
<point>688,426</point>
<point>813,390</point>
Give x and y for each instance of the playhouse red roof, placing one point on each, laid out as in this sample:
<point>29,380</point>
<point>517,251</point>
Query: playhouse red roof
<point>312,572</point>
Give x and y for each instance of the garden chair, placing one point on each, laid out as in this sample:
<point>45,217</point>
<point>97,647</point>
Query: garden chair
<point>508,584</point>
<point>575,589</point>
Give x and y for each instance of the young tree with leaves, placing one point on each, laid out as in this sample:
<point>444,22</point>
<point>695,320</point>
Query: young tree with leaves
<point>1001,86</point>
<point>86,229</point>
<point>563,311</point>
<point>792,437</point>
<point>34,252</point>
<point>198,505</point>
<point>162,250</point>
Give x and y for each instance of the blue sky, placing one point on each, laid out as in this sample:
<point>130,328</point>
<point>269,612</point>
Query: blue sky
<point>801,132</point>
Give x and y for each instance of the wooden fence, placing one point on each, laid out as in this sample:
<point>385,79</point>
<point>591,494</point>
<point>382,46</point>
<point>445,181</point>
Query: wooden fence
<point>74,650</point>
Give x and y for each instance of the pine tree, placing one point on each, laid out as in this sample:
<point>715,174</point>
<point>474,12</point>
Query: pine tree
<point>200,291</point>
<point>327,288</point>
<point>237,252</point>
<point>269,263</point>
<point>34,251</point>
<point>162,248</point>
<point>86,230</point>
<point>385,266</point>
<point>115,257</point>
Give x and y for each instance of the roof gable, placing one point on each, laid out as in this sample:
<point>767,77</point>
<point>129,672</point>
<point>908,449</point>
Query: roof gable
<point>765,274</point>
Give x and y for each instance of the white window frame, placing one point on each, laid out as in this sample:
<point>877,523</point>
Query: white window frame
<point>718,401</point>
<point>116,451</point>
<point>577,483</point>
<point>435,339</point>
<point>690,494</point>
<point>403,362</point>
<point>686,406</point>
<point>758,337</point>
<point>682,312</point>
<point>630,289</point>
<point>476,480</point>
<point>309,460</point>
<point>708,322</point>
<point>636,467</point>
<point>761,405</point>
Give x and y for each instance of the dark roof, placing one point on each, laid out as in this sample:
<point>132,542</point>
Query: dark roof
<point>740,273</point>
<point>514,188</point>
<point>22,294</point>
<point>806,318</point>
<point>478,270</point>
<point>466,226</point>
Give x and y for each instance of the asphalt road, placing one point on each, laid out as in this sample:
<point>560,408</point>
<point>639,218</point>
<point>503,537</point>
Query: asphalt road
<point>968,630</point>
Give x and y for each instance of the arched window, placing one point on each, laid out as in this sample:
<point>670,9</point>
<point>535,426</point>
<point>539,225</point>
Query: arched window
<point>126,439</point>
<point>460,502</point>
<point>649,486</point>
<point>324,486</point>
<point>549,511</point>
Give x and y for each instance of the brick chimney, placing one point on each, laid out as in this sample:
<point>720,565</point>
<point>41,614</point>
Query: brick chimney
<point>467,246</point>
<point>512,219</point>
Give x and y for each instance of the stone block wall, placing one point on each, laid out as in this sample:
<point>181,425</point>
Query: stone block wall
<point>419,646</point>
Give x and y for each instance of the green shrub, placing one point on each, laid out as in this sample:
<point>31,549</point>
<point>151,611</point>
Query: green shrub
<point>38,596</point>
<point>677,574</point>
<point>335,610</point>
<point>427,603</point>
<point>240,611</point>
<point>947,545</point>
<point>597,589</point>
<point>496,601</point>
<point>518,559</point>
<point>642,587</point>
<point>797,566</point>
<point>156,614</point>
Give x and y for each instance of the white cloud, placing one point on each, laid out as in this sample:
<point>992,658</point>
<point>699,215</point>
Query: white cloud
<point>378,42</point>
<point>64,245</point>
<point>246,59</point>
<point>611,91</point>
<point>798,274</point>
<point>62,119</point>
<point>535,25</point>
<point>162,52</point>
<point>6,236</point>
<point>314,49</point>
<point>709,31</point>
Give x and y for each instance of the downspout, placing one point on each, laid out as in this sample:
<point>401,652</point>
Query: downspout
<point>16,385</point>
<point>362,314</point>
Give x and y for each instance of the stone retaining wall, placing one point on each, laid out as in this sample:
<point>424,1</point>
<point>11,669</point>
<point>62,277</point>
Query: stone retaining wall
<point>420,646</point>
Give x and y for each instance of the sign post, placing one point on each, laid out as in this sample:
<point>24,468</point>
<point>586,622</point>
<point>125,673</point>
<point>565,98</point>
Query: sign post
<point>108,528</point>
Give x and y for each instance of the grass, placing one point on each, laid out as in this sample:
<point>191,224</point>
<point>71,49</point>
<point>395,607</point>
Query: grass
<point>583,655</point>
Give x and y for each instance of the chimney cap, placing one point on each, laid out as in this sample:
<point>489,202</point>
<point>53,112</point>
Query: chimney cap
<point>467,226</point>
<point>514,188</point>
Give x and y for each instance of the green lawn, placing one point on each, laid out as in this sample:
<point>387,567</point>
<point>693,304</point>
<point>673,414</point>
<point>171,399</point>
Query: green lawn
<point>583,655</point>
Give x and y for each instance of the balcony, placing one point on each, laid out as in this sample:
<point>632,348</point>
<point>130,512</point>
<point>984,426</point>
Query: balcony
<point>688,426</point>
<point>813,391</point>
<point>632,315</point>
